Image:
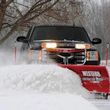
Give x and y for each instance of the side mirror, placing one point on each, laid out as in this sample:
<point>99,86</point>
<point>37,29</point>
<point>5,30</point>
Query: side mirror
<point>21,39</point>
<point>96,41</point>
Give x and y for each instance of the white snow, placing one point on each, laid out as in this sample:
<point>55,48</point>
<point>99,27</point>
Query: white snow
<point>41,87</point>
<point>33,101</point>
<point>105,63</point>
<point>101,104</point>
<point>40,78</point>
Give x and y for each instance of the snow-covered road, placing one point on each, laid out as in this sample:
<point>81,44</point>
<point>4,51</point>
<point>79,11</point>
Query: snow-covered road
<point>35,101</point>
<point>101,104</point>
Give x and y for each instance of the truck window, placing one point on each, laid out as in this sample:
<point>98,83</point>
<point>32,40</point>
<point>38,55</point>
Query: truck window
<point>60,33</point>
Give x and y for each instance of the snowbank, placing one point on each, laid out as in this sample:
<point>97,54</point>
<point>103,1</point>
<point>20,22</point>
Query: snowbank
<point>103,62</point>
<point>41,87</point>
<point>40,78</point>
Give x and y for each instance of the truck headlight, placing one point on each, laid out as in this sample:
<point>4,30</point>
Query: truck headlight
<point>92,56</point>
<point>49,45</point>
<point>82,46</point>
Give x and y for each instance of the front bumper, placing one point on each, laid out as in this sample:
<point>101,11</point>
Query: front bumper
<point>74,56</point>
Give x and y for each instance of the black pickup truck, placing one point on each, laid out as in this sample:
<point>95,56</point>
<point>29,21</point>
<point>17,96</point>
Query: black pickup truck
<point>64,44</point>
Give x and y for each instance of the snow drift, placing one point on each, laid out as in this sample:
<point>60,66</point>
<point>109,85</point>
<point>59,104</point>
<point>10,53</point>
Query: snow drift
<point>41,78</point>
<point>41,87</point>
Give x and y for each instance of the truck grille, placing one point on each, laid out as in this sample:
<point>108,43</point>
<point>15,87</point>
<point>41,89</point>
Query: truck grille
<point>77,57</point>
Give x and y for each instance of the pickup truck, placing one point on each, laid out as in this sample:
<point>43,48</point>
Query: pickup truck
<point>64,44</point>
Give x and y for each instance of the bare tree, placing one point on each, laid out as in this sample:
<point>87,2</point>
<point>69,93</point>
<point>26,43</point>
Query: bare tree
<point>96,21</point>
<point>65,12</point>
<point>12,16</point>
<point>16,15</point>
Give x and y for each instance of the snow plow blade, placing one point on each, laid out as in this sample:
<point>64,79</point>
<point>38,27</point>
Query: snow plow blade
<point>94,78</point>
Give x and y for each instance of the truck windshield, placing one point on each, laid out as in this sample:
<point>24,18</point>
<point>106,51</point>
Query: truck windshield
<point>60,33</point>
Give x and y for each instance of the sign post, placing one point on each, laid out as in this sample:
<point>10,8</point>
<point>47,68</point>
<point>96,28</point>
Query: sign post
<point>15,52</point>
<point>107,51</point>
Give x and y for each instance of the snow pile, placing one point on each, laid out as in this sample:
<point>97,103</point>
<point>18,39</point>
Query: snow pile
<point>33,101</point>
<point>103,62</point>
<point>40,78</point>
